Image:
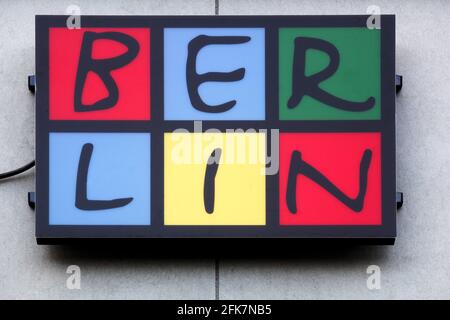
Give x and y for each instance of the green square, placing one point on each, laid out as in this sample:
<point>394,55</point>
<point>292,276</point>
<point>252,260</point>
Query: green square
<point>356,79</point>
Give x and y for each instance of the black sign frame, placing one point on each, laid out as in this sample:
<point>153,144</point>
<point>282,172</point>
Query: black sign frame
<point>46,233</point>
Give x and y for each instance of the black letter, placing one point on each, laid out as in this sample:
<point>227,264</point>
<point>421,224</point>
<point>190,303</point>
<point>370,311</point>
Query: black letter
<point>298,166</point>
<point>210,176</point>
<point>81,200</point>
<point>102,67</point>
<point>303,85</point>
<point>194,80</point>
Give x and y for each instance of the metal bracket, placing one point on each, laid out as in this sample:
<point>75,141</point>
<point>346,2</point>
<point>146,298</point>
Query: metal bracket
<point>398,83</point>
<point>32,83</point>
<point>32,200</point>
<point>399,199</point>
<point>398,87</point>
<point>32,88</point>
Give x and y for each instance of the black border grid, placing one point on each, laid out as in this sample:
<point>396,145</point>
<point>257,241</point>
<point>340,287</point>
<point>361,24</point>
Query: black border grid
<point>46,233</point>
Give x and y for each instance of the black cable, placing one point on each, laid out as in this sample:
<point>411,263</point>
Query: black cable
<point>17,171</point>
<point>12,173</point>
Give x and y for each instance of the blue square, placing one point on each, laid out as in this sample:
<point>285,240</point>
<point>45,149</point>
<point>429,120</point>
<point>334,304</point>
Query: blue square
<point>119,167</point>
<point>248,92</point>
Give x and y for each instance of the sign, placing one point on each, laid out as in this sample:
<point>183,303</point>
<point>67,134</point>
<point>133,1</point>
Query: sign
<point>246,127</point>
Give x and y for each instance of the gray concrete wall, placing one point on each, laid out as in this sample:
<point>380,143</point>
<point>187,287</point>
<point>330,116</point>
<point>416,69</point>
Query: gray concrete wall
<point>416,267</point>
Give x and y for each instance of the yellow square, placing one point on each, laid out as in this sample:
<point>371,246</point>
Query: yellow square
<point>239,182</point>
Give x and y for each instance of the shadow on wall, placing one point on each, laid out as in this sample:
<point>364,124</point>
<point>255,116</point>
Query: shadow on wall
<point>194,249</point>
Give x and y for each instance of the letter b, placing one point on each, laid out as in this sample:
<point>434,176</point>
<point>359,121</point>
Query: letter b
<point>102,67</point>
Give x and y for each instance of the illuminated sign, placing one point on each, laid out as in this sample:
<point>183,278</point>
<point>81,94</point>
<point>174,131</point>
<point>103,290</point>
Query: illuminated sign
<point>215,127</point>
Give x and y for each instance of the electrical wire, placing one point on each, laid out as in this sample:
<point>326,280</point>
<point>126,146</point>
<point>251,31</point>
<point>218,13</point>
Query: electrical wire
<point>17,171</point>
<point>28,166</point>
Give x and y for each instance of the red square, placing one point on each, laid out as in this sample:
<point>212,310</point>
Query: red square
<point>338,157</point>
<point>132,79</point>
